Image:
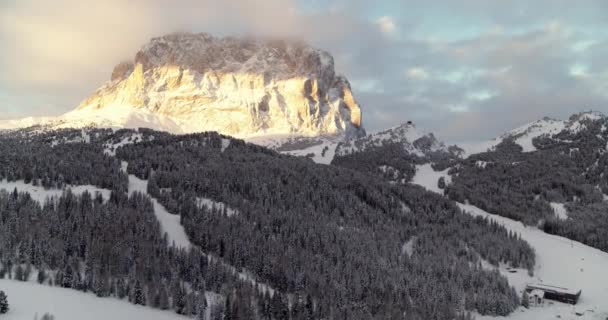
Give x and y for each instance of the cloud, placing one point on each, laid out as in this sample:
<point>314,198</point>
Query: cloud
<point>464,69</point>
<point>386,25</point>
<point>69,47</point>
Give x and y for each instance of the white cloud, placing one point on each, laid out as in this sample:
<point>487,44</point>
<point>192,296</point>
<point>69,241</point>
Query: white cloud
<point>417,73</point>
<point>387,25</point>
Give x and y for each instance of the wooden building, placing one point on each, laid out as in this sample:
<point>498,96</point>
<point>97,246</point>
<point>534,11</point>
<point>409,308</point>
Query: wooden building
<point>554,293</point>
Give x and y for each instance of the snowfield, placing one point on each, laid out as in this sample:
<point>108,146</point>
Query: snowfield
<point>28,299</point>
<point>428,178</point>
<point>39,194</point>
<point>559,261</point>
<point>317,152</point>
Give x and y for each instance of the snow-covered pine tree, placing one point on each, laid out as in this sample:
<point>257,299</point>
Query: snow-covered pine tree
<point>3,303</point>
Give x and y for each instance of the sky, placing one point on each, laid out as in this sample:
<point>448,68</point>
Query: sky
<point>463,69</point>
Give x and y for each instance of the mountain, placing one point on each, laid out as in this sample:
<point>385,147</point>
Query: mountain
<point>394,153</point>
<point>550,174</point>
<point>410,138</point>
<point>183,83</point>
<point>524,135</point>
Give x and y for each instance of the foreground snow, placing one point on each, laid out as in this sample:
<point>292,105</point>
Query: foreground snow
<point>28,299</point>
<point>559,261</point>
<point>39,194</point>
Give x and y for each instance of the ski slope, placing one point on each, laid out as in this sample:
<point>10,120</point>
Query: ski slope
<point>28,299</point>
<point>169,223</point>
<point>559,261</point>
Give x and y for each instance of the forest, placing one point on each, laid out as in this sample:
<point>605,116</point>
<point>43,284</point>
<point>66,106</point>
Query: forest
<point>332,242</point>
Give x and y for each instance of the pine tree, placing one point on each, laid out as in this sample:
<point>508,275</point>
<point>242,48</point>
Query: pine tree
<point>19,273</point>
<point>41,276</point>
<point>3,303</point>
<point>202,306</point>
<point>139,296</point>
<point>163,298</point>
<point>525,300</point>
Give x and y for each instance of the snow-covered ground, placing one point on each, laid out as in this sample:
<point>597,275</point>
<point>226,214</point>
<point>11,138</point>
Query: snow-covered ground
<point>525,134</point>
<point>428,178</point>
<point>28,299</point>
<point>210,204</point>
<point>559,261</point>
<point>560,210</point>
<point>169,223</point>
<point>38,193</point>
<point>317,152</point>
<point>110,149</point>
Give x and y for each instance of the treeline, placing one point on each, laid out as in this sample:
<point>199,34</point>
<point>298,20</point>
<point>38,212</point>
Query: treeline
<point>331,234</point>
<point>389,161</point>
<point>59,158</point>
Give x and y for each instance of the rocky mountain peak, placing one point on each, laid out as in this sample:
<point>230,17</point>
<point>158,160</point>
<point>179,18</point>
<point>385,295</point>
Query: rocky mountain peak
<point>237,86</point>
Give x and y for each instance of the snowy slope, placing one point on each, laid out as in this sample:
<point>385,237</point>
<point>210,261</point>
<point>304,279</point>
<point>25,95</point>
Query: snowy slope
<point>428,178</point>
<point>316,152</point>
<point>524,135</point>
<point>169,223</point>
<point>114,116</point>
<point>28,299</point>
<point>38,193</point>
<point>560,261</point>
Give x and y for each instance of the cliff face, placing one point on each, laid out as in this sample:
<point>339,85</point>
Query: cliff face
<point>237,86</point>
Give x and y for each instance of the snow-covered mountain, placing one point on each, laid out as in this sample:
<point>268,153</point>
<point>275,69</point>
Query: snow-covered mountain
<point>413,140</point>
<point>242,87</point>
<point>547,127</point>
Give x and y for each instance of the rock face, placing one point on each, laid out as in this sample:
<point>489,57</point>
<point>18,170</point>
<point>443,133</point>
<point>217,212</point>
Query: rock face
<point>236,86</point>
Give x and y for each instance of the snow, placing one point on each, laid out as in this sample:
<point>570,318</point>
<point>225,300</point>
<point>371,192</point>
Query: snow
<point>405,134</point>
<point>39,194</point>
<point>428,178</point>
<point>225,144</point>
<point>110,149</point>
<point>560,210</point>
<point>474,147</point>
<point>537,129</point>
<point>481,164</point>
<point>559,262</point>
<point>28,299</point>
<point>170,223</point>
<point>210,204</point>
<point>317,152</point>
<point>408,247</point>
<point>523,136</point>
